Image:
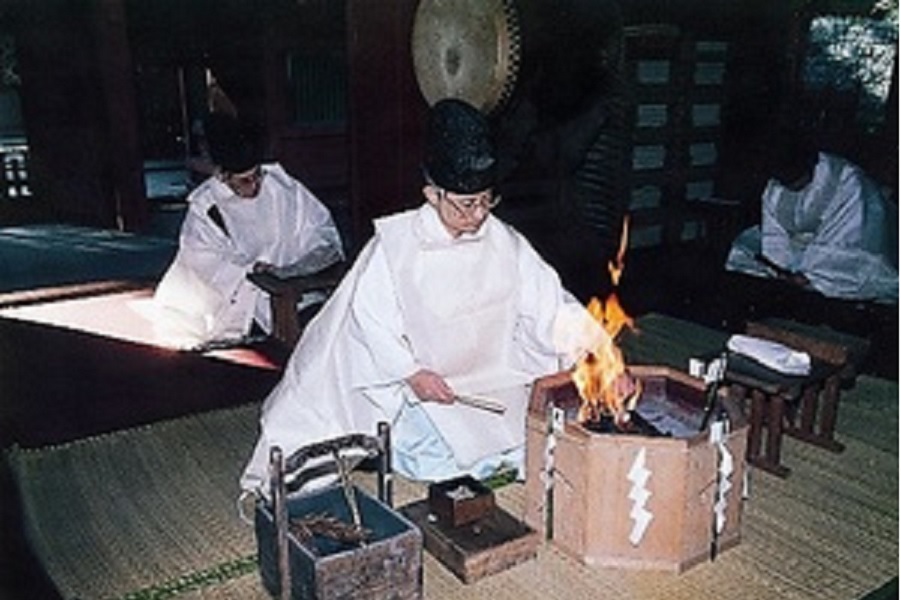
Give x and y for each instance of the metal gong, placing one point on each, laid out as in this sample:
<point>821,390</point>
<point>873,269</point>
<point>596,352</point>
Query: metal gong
<point>466,49</point>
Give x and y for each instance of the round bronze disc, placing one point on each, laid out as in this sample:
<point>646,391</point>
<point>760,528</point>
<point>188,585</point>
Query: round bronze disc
<point>466,49</point>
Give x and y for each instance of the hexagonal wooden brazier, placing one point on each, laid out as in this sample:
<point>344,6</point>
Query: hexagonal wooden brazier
<point>634,500</point>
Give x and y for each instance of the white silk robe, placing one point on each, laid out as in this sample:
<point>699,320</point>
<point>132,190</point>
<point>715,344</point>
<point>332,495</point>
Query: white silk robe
<point>205,295</point>
<point>483,310</point>
<point>838,231</point>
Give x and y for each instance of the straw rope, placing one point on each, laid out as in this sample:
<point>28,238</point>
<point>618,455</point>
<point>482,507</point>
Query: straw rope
<point>150,513</point>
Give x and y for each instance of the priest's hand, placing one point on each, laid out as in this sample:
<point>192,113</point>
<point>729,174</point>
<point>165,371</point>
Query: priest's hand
<point>430,387</point>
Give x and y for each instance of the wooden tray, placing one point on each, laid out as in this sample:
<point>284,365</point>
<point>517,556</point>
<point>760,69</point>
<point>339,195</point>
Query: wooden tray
<point>478,549</point>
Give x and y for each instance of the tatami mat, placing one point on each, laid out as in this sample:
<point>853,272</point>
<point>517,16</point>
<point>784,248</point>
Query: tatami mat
<point>149,513</point>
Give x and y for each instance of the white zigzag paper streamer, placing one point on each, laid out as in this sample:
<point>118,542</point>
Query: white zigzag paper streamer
<point>725,485</point>
<point>726,467</point>
<point>546,475</point>
<point>556,425</point>
<point>722,501</point>
<point>639,494</point>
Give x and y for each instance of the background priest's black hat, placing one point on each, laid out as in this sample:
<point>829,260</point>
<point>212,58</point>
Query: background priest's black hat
<point>459,154</point>
<point>234,144</point>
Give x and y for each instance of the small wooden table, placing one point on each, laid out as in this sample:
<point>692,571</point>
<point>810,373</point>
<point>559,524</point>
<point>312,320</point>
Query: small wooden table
<point>772,412</point>
<point>286,292</point>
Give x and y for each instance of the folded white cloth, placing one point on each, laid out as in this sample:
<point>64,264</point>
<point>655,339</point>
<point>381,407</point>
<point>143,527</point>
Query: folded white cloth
<point>773,355</point>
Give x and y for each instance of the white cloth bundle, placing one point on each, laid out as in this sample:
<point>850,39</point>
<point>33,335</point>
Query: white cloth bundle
<point>772,355</point>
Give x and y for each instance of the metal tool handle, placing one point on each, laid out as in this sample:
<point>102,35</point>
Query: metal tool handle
<point>376,447</point>
<point>356,441</point>
<point>280,514</point>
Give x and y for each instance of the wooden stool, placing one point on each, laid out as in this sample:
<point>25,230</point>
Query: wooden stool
<point>774,400</point>
<point>286,292</point>
<point>819,406</point>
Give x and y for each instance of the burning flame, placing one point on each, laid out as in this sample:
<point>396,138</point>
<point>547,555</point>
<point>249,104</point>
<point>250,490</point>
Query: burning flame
<point>600,375</point>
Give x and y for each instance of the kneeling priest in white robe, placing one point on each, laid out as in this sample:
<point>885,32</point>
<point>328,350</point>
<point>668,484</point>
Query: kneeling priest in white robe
<point>248,217</point>
<point>445,302</point>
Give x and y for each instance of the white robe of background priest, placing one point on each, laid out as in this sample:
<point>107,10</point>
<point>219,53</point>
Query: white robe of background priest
<point>839,231</point>
<point>205,294</point>
<point>483,310</point>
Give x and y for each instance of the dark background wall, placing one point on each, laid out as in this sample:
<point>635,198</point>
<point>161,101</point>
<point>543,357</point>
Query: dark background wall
<point>92,112</point>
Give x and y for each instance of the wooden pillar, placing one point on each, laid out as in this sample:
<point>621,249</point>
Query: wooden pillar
<point>386,112</point>
<point>125,165</point>
<point>61,108</point>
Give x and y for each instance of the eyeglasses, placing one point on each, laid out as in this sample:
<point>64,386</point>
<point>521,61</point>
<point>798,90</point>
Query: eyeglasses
<point>468,205</point>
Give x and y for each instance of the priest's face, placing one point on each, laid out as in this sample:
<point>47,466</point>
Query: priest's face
<point>461,213</point>
<point>246,184</point>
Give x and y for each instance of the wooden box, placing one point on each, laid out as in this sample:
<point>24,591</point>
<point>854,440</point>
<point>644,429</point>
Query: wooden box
<point>389,564</point>
<point>493,543</point>
<point>590,504</point>
<point>460,500</point>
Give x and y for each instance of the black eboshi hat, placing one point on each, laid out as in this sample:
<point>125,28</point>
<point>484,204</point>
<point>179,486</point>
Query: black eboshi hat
<point>234,145</point>
<point>459,153</point>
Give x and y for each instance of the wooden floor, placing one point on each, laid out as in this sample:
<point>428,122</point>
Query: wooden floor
<point>57,385</point>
